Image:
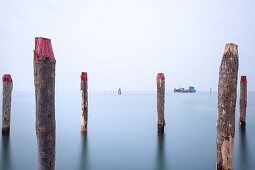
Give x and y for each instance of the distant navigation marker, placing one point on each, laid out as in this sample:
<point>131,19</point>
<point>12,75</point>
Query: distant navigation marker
<point>119,91</point>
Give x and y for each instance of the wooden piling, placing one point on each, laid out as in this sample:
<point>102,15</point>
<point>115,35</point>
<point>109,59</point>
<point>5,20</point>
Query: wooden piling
<point>243,102</point>
<point>84,102</point>
<point>6,102</point>
<point>44,80</point>
<point>226,108</point>
<point>160,101</point>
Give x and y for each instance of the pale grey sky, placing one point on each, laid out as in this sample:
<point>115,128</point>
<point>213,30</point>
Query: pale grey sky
<point>125,43</point>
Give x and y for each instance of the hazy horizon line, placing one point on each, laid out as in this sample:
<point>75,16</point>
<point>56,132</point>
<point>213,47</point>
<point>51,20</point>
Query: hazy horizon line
<point>57,91</point>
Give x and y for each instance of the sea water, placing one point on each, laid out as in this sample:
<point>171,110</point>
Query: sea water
<point>122,133</point>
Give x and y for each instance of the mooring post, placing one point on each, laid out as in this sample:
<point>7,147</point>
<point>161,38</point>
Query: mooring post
<point>84,102</point>
<point>243,102</point>
<point>226,108</point>
<point>160,101</point>
<point>6,102</point>
<point>44,80</point>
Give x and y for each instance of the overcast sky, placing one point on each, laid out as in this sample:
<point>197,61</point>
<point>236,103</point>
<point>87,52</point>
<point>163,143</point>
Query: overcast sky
<point>125,43</point>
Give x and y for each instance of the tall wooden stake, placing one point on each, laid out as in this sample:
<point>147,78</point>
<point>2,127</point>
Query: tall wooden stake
<point>243,102</point>
<point>160,101</point>
<point>6,110</point>
<point>226,108</point>
<point>84,102</point>
<point>44,80</point>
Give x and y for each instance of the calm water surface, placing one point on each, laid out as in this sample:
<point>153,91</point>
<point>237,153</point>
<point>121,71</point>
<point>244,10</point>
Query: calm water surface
<point>122,133</point>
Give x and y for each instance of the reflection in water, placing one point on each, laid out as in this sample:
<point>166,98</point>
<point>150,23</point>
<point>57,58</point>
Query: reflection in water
<point>84,152</point>
<point>5,161</point>
<point>243,149</point>
<point>160,153</point>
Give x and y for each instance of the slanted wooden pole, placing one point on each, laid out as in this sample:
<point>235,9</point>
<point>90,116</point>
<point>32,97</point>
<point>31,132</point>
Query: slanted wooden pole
<point>6,110</point>
<point>160,101</point>
<point>44,80</point>
<point>84,102</point>
<point>226,108</point>
<point>243,102</point>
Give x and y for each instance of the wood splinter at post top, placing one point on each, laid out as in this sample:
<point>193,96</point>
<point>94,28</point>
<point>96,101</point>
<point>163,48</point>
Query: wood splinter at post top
<point>43,48</point>
<point>84,76</point>
<point>232,48</point>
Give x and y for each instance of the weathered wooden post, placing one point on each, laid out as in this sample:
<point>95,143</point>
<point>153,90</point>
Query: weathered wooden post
<point>44,80</point>
<point>226,108</point>
<point>160,101</point>
<point>243,102</point>
<point>6,110</point>
<point>84,102</point>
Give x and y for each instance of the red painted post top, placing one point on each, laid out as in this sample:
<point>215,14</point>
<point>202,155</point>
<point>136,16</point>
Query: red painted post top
<point>43,48</point>
<point>7,78</point>
<point>243,79</point>
<point>84,76</point>
<point>160,76</point>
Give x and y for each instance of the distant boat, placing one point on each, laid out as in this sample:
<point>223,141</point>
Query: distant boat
<point>182,90</point>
